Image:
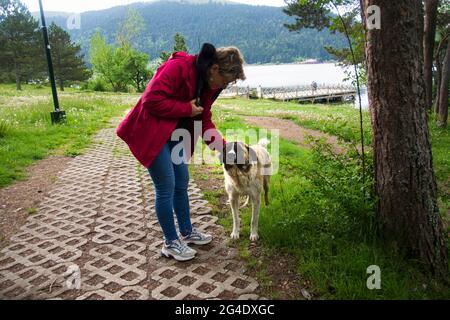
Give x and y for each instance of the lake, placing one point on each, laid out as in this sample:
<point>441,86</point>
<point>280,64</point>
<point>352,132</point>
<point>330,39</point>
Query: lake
<point>284,75</point>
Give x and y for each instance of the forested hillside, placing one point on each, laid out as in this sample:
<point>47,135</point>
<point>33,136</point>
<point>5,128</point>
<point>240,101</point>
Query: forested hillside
<point>257,30</point>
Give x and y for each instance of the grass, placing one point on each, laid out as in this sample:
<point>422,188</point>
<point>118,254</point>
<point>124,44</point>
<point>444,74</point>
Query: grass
<point>343,121</point>
<point>26,132</point>
<point>440,140</point>
<point>31,211</point>
<point>318,216</point>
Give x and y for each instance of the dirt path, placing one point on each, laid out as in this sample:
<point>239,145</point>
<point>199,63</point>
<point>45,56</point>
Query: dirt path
<point>21,199</point>
<point>293,132</point>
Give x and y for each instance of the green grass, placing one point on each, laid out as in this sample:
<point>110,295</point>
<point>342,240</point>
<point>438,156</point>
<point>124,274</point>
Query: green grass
<point>31,211</point>
<point>26,132</point>
<point>341,120</point>
<point>440,140</point>
<point>318,216</point>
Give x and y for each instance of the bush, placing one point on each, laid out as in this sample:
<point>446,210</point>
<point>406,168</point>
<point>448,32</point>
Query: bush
<point>3,129</point>
<point>339,179</point>
<point>96,84</point>
<point>321,200</point>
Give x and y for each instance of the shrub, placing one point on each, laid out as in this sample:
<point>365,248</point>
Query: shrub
<point>3,128</point>
<point>321,200</point>
<point>96,84</point>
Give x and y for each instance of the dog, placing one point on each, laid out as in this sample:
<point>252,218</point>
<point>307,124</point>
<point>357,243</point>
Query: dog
<point>247,172</point>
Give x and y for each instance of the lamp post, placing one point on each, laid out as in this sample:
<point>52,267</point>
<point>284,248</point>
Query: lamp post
<point>58,115</point>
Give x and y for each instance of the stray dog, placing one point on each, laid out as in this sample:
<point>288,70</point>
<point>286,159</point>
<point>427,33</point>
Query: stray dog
<point>247,173</point>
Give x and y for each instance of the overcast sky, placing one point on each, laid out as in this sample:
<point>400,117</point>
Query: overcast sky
<point>87,5</point>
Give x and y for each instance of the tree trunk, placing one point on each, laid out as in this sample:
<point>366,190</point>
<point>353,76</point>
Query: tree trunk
<point>439,72</point>
<point>443,92</point>
<point>61,84</point>
<point>438,84</point>
<point>17,72</point>
<point>407,212</point>
<point>431,7</point>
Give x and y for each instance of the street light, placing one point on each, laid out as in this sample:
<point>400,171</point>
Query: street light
<point>58,115</point>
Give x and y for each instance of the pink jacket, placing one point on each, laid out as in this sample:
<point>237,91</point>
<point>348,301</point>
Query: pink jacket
<point>165,101</point>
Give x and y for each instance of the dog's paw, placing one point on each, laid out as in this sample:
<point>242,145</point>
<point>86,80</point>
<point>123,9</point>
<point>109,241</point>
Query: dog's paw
<point>254,237</point>
<point>235,236</point>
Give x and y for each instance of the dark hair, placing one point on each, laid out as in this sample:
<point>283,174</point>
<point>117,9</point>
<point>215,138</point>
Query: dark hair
<point>205,59</point>
<point>230,63</point>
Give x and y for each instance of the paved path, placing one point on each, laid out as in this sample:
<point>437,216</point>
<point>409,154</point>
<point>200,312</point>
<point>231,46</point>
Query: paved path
<point>100,220</point>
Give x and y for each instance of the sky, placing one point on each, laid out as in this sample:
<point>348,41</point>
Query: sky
<point>88,5</point>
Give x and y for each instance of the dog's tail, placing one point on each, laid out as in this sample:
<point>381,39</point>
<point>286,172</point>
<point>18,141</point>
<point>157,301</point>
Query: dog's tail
<point>264,142</point>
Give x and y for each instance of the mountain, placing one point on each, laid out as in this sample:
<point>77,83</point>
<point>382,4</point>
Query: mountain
<point>257,31</point>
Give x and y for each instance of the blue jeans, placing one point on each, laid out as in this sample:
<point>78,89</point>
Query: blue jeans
<point>171,192</point>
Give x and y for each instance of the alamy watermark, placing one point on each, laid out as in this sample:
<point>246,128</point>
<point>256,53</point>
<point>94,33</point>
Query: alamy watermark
<point>374,280</point>
<point>373,17</point>
<point>202,155</point>
<point>73,275</point>
<point>74,22</point>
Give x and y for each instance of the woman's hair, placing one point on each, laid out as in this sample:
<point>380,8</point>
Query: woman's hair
<point>231,63</point>
<point>229,60</point>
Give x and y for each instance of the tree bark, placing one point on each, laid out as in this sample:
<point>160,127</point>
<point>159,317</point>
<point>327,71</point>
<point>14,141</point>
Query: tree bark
<point>431,7</point>
<point>443,92</point>
<point>407,211</point>
<point>439,72</point>
<point>61,84</point>
<point>438,84</point>
<point>17,73</point>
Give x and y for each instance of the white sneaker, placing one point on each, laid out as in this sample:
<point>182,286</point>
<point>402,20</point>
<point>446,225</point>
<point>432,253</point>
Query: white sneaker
<point>197,238</point>
<point>178,250</point>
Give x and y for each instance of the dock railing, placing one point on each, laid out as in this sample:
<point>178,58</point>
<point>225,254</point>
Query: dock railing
<point>300,93</point>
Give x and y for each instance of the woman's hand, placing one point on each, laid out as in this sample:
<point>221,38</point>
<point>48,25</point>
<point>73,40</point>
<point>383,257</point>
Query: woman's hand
<point>195,109</point>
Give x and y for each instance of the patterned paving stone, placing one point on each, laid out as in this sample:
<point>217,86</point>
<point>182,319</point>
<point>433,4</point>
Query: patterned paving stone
<point>50,228</point>
<point>122,264</point>
<point>46,251</point>
<point>99,226</point>
<point>125,293</point>
<point>35,282</point>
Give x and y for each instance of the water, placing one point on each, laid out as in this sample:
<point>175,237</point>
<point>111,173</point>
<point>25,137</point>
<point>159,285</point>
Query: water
<point>284,75</point>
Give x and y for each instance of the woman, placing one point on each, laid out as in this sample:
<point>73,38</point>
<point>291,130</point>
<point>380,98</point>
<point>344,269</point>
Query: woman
<point>181,92</point>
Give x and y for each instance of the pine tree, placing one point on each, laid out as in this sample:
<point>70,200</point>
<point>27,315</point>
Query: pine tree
<point>408,213</point>
<point>22,54</point>
<point>67,60</point>
<point>180,45</point>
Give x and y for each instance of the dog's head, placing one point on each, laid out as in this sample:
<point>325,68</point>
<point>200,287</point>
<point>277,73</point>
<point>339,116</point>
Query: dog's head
<point>238,155</point>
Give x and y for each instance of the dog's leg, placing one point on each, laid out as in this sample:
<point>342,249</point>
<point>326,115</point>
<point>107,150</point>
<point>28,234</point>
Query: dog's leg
<point>256,199</point>
<point>234,201</point>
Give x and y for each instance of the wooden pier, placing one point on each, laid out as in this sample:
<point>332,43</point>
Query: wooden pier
<point>319,93</point>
